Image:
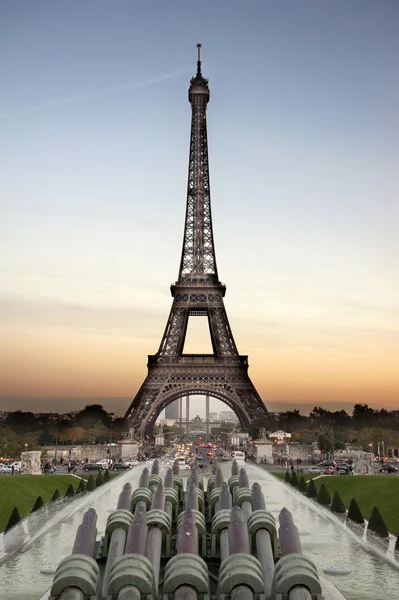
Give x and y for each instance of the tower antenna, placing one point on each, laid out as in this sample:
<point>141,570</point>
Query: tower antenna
<point>199,74</point>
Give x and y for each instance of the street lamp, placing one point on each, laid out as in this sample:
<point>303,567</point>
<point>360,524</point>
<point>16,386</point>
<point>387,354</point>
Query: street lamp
<point>26,447</point>
<point>110,437</point>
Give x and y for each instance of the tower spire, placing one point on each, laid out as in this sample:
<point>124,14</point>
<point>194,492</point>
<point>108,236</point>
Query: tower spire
<point>199,74</point>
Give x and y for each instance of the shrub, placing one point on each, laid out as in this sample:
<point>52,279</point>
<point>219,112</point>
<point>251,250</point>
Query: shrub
<point>287,477</point>
<point>354,512</point>
<point>294,479</point>
<point>99,479</point>
<point>376,524</point>
<point>14,519</point>
<point>337,505</point>
<point>323,497</point>
<point>38,504</point>
<point>91,484</point>
<point>312,491</point>
<point>70,493</point>
<point>107,476</point>
<point>56,496</point>
<point>302,487</point>
<point>397,544</point>
<point>81,487</point>
<point>37,521</point>
<point>14,534</point>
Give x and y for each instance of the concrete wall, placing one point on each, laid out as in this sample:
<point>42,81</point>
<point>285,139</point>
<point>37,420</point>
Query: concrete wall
<point>93,452</point>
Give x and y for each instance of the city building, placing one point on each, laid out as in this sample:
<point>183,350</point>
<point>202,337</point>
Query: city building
<point>172,411</point>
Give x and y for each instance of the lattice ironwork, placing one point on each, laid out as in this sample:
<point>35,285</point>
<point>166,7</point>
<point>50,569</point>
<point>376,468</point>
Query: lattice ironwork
<point>198,291</point>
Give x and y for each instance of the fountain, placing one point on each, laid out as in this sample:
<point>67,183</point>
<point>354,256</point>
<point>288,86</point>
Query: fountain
<point>324,537</point>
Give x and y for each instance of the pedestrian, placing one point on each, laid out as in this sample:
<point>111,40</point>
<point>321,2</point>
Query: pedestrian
<point>12,469</point>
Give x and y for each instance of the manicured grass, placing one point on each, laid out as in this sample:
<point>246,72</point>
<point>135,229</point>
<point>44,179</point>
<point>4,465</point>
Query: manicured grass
<point>22,491</point>
<point>369,491</point>
<point>307,476</point>
<point>87,475</point>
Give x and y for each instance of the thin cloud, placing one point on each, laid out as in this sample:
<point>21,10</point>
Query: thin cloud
<point>104,91</point>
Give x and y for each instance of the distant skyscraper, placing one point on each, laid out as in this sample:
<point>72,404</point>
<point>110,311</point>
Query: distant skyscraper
<point>172,411</point>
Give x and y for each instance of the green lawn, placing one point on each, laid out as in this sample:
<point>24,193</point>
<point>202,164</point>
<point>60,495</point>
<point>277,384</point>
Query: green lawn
<point>369,491</point>
<point>22,491</point>
<point>87,475</point>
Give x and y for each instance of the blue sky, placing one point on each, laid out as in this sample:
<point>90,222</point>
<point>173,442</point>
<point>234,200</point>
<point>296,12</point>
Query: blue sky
<point>303,132</point>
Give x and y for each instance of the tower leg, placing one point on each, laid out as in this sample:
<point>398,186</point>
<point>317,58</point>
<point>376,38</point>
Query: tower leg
<point>181,417</point>
<point>207,417</point>
<point>187,414</point>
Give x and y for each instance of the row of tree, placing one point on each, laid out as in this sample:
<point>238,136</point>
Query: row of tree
<point>93,425</point>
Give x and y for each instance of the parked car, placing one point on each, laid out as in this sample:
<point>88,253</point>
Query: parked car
<point>388,469</point>
<point>132,463</point>
<point>104,463</point>
<point>224,457</point>
<point>7,469</point>
<point>120,467</point>
<point>327,463</point>
<point>92,467</point>
<point>329,471</point>
<point>345,470</point>
<point>315,470</point>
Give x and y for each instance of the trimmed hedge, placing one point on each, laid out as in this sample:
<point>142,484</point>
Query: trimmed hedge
<point>91,485</point>
<point>376,524</point>
<point>38,504</point>
<point>294,479</point>
<point>70,493</point>
<point>337,505</point>
<point>323,497</point>
<point>14,532</point>
<point>81,487</point>
<point>302,487</point>
<point>56,496</point>
<point>354,513</point>
<point>99,479</point>
<point>107,476</point>
<point>14,519</point>
<point>312,491</point>
<point>287,477</point>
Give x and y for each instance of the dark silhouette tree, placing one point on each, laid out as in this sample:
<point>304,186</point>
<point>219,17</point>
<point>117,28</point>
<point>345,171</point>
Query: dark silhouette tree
<point>287,477</point>
<point>363,415</point>
<point>107,476</point>
<point>99,479</point>
<point>91,484</point>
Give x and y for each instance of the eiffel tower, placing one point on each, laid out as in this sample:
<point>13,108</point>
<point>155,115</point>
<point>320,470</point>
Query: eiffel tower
<point>197,292</point>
